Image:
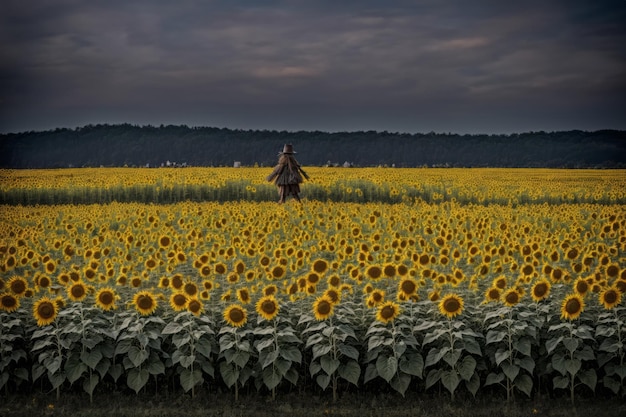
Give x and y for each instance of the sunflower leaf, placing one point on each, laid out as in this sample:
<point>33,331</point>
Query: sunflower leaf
<point>350,371</point>
<point>450,379</point>
<point>137,378</point>
<point>524,383</point>
<point>329,365</point>
<point>400,383</point>
<point>387,366</point>
<point>494,378</point>
<point>323,380</point>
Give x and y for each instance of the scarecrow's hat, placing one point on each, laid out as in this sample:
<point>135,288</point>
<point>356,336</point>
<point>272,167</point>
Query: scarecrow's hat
<point>288,149</point>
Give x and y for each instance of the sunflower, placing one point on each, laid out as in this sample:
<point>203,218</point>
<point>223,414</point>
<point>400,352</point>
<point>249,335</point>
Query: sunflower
<point>581,286</point>
<point>374,272</point>
<point>433,295</point>
<point>190,288</point>
<point>18,286</point>
<point>389,270</point>
<point>178,301</point>
<point>408,287</point>
<point>540,290</point>
<point>77,291</point>
<point>572,306</point>
<point>177,282</point>
<point>9,302</point>
<point>45,311</point>
<point>334,294</point>
<point>387,312</point>
<point>145,302</point>
<point>511,297</point>
<point>243,295</point>
<point>195,306</point>
<point>376,298</point>
<point>105,299</point>
<point>235,315</point>
<point>322,308</point>
<point>270,290</point>
<point>610,297</point>
<point>164,282</point>
<point>451,305</point>
<point>267,307</point>
<point>492,294</point>
<point>43,281</point>
<point>320,266</point>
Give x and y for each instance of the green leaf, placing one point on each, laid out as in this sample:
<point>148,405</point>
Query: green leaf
<point>434,375</point>
<point>241,358</point>
<point>560,381</point>
<point>571,343</point>
<point>589,378</point>
<point>230,374</point>
<point>264,330</point>
<point>612,384</point>
<point>467,367</point>
<point>374,342</point>
<point>525,384</point>
<point>611,346</point>
<point>494,336</point>
<point>412,364</point>
<point>573,366</point>
<point>434,335</point>
<point>350,371</point>
<point>91,358</point>
<point>263,344</point>
<point>189,379</point>
<point>473,385</point>
<point>266,359</point>
<point>551,344</point>
<point>137,356</point>
<point>494,378</point>
<point>313,340</point>
<point>387,367</point>
<point>291,353</point>
<point>472,346</point>
<point>523,346</point>
<point>74,370</point>
<point>155,366</point>
<point>54,364</point>
<point>56,380</point>
<point>90,383</point>
<point>282,366</point>
<point>435,355</point>
<point>400,383</point>
<point>511,371</point>
<point>585,354</point>
<point>323,380</point>
<point>527,363</point>
<point>452,357</point>
<point>349,351</point>
<point>502,355</point>
<point>558,363</point>
<point>314,368</point>
<point>271,377</point>
<point>116,371</point>
<point>320,350</point>
<point>329,365</point>
<point>450,379</point>
<point>137,378</point>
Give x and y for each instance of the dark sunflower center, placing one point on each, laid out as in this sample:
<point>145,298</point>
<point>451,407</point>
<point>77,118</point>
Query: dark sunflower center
<point>323,307</point>
<point>191,289</point>
<point>106,298</point>
<point>408,287</point>
<point>145,302</point>
<point>78,291</point>
<point>582,287</point>
<point>18,287</point>
<point>494,294</point>
<point>194,306</point>
<point>610,297</point>
<point>451,305</point>
<point>9,301</point>
<point>179,300</point>
<point>387,312</point>
<point>512,297</point>
<point>540,289</point>
<point>46,310</point>
<point>44,282</point>
<point>573,306</point>
<point>268,307</point>
<point>236,315</point>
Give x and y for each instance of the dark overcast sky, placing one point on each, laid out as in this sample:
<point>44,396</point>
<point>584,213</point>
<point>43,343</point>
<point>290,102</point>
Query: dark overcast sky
<point>403,66</point>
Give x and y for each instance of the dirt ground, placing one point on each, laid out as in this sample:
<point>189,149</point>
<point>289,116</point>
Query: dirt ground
<point>294,405</point>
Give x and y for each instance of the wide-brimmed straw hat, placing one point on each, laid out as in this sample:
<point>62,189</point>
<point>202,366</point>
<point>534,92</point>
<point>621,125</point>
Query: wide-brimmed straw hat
<point>287,149</point>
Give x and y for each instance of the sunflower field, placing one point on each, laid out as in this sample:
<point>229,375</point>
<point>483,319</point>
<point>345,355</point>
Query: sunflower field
<point>472,282</point>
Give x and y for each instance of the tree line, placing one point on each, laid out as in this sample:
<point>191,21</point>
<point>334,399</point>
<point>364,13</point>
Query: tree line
<point>133,145</point>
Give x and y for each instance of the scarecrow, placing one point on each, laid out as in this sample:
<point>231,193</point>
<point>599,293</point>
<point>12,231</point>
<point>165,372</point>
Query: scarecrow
<point>287,175</point>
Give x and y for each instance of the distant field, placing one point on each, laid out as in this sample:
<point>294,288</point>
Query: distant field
<point>442,282</point>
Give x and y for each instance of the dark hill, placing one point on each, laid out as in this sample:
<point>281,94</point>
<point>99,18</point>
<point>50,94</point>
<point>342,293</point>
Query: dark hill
<point>125,144</point>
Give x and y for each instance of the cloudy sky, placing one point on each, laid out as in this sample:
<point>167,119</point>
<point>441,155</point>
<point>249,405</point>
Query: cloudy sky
<point>484,66</point>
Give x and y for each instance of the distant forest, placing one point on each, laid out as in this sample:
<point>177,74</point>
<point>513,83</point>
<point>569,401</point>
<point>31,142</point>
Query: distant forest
<point>131,145</point>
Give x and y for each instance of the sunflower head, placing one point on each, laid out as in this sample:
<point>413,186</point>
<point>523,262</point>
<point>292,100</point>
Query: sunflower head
<point>105,299</point>
<point>145,302</point>
<point>235,315</point>
<point>18,286</point>
<point>45,311</point>
<point>77,291</point>
<point>610,298</point>
<point>572,306</point>
<point>387,312</point>
<point>322,308</point>
<point>195,306</point>
<point>451,305</point>
<point>9,302</point>
<point>267,307</point>
<point>178,301</point>
<point>540,290</point>
<point>408,286</point>
<point>511,297</point>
